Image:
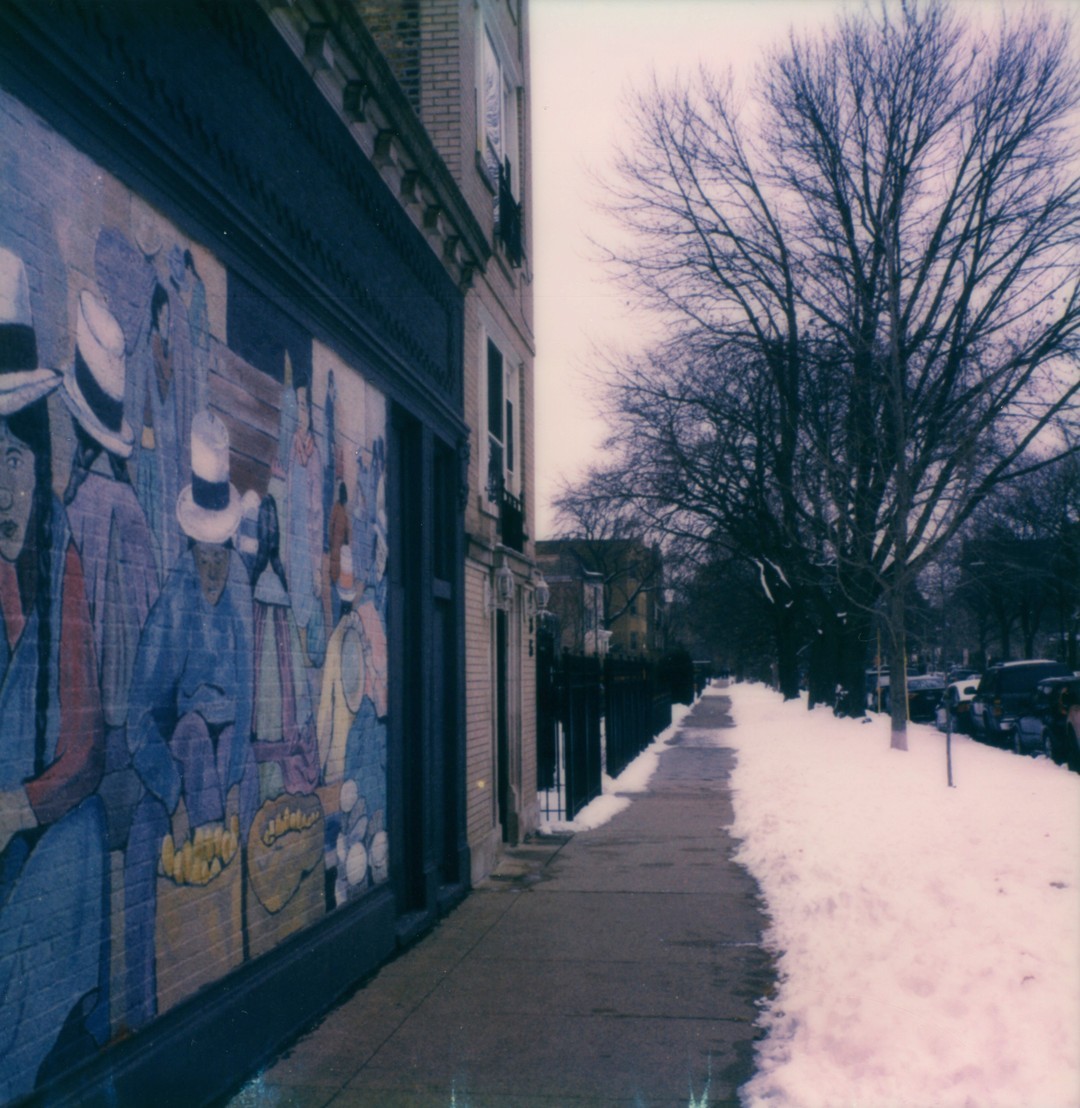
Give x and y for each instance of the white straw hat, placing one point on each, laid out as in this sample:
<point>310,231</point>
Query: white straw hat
<point>209,508</point>
<point>22,380</point>
<point>94,385</point>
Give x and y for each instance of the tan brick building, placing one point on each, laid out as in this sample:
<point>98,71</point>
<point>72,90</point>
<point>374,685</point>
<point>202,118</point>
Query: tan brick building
<point>466,65</point>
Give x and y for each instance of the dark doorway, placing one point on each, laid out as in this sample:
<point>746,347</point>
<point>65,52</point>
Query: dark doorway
<point>502,721</point>
<point>407,762</point>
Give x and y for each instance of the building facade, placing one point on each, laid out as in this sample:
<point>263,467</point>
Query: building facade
<point>575,611</point>
<point>465,66</point>
<point>249,314</point>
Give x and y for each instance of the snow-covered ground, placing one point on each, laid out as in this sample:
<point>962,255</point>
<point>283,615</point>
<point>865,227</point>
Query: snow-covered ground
<point>927,937</point>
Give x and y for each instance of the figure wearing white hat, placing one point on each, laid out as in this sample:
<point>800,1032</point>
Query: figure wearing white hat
<point>194,667</point>
<point>111,532</point>
<point>94,385</point>
<point>51,746</point>
<point>166,419</point>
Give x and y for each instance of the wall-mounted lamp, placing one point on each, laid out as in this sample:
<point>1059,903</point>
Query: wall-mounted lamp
<point>542,591</point>
<point>504,587</point>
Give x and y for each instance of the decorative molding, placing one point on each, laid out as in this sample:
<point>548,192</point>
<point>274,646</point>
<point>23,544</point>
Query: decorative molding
<point>354,98</point>
<point>162,108</point>
<point>370,99</point>
<point>317,48</point>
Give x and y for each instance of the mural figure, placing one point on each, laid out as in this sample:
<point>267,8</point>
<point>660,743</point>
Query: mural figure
<point>189,728</point>
<point>352,740</point>
<point>112,536</point>
<point>247,537</point>
<point>369,525</point>
<point>193,294</point>
<point>53,936</point>
<point>285,848</point>
<point>365,749</point>
<point>284,724</point>
<point>167,406</point>
<point>126,279</point>
<point>304,541</point>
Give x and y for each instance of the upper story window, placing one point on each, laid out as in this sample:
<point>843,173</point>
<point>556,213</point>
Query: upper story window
<point>500,144</point>
<point>503,485</point>
<point>502,424</point>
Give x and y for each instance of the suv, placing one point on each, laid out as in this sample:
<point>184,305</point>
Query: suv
<point>1004,693</point>
<point>1043,726</point>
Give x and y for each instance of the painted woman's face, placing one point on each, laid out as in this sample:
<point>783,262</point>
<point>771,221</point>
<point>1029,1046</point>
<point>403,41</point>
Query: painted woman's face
<point>16,492</point>
<point>212,563</point>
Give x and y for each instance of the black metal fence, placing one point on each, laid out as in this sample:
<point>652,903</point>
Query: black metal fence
<point>592,716</point>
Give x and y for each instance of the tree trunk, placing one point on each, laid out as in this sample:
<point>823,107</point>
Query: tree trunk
<point>853,633</point>
<point>787,654</point>
<point>824,669</point>
<point>898,701</point>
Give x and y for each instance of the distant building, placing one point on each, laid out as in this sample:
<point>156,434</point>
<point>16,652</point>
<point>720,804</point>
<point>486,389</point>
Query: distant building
<point>576,607</point>
<point>627,574</point>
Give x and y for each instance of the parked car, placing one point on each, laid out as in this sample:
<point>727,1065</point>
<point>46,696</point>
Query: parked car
<point>877,689</point>
<point>1071,732</point>
<point>1041,728</point>
<point>1005,692</point>
<point>924,692</point>
<point>954,708</point>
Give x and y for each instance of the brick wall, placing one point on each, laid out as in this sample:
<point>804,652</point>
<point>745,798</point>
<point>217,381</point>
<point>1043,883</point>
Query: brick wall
<point>395,26</point>
<point>193,657</point>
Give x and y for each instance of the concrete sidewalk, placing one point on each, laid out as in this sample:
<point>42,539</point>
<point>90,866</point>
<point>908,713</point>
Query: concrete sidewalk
<point>616,966</point>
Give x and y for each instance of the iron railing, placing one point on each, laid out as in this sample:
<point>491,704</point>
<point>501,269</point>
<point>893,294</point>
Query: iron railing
<point>592,717</point>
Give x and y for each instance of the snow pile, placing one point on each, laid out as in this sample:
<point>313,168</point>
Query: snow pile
<point>634,779</point>
<point>927,938</point>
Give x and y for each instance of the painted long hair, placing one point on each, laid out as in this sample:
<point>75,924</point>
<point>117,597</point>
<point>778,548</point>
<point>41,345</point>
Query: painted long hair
<point>33,567</point>
<point>87,449</point>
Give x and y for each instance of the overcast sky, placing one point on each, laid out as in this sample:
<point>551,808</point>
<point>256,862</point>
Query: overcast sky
<point>586,56</point>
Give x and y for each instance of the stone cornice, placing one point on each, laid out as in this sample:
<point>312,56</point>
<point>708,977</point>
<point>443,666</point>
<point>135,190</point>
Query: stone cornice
<point>330,38</point>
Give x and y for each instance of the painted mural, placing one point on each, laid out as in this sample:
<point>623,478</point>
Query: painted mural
<point>193,591</point>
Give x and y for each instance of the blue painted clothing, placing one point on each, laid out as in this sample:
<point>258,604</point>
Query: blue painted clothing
<point>52,877</point>
<point>189,733</point>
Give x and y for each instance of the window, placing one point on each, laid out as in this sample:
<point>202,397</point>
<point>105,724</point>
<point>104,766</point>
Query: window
<point>502,431</point>
<point>496,453</point>
<point>503,481</point>
<point>499,144</point>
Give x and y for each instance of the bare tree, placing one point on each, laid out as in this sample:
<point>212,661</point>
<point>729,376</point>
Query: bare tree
<point>880,249</point>
<point>1020,562</point>
<point>698,465</point>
